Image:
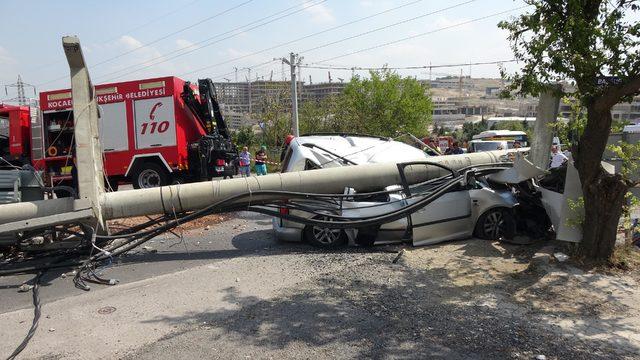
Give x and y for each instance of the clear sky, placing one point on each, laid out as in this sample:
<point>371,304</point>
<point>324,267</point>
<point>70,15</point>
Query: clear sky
<point>127,40</point>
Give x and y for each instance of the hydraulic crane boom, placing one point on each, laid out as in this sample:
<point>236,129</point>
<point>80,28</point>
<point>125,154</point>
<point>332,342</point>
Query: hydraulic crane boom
<point>214,154</point>
<point>207,108</point>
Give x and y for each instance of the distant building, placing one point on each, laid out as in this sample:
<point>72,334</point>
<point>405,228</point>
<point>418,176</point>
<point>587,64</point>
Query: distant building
<point>320,91</point>
<point>245,97</point>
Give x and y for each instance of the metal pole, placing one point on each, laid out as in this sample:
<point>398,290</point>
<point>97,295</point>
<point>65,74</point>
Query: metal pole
<point>543,134</point>
<point>294,96</point>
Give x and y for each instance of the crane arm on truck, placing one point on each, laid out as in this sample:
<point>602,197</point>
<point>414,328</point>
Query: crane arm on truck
<point>214,154</point>
<point>207,108</point>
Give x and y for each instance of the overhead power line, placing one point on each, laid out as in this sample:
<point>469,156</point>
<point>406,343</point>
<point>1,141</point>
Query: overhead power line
<point>384,44</point>
<point>388,26</point>
<point>282,44</point>
<point>175,32</point>
<point>153,20</point>
<point>327,30</point>
<point>254,67</point>
<point>422,34</point>
<point>417,67</point>
<point>180,8</point>
<point>159,39</point>
<point>194,47</point>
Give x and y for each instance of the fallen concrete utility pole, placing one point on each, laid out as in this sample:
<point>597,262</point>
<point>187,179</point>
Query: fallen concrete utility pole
<point>96,205</point>
<point>194,196</point>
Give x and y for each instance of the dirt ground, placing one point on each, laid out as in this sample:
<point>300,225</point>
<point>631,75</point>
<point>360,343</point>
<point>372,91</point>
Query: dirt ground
<point>462,300</point>
<point>195,226</point>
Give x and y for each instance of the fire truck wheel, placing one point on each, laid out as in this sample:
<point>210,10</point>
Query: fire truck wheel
<point>149,175</point>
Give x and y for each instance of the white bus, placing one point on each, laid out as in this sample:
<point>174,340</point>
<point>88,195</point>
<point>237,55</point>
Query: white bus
<point>492,139</point>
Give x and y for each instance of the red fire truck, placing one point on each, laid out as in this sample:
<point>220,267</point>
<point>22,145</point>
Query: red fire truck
<point>153,132</point>
<point>15,140</point>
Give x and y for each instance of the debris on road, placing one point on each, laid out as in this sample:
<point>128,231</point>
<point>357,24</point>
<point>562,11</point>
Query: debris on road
<point>149,249</point>
<point>25,288</point>
<point>561,257</point>
<point>399,256</point>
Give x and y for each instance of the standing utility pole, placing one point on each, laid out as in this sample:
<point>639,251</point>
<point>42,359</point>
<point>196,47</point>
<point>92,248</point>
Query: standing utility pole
<point>547,114</point>
<point>293,62</point>
<point>20,85</point>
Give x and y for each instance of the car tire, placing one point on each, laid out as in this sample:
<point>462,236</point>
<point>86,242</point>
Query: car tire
<point>149,175</point>
<point>496,224</point>
<point>324,238</point>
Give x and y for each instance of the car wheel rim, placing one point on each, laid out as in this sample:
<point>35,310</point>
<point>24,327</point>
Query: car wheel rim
<point>326,236</point>
<point>494,225</point>
<point>149,178</point>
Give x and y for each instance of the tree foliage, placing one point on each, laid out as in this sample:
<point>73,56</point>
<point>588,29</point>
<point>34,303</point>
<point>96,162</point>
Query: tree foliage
<point>469,129</point>
<point>385,104</point>
<point>275,120</point>
<point>316,117</point>
<point>245,137</point>
<point>595,45</point>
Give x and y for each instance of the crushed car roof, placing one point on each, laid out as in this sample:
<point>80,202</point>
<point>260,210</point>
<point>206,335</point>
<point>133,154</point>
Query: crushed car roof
<point>357,149</point>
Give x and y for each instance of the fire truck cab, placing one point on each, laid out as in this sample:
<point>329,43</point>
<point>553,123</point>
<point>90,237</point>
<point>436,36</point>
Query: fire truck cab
<point>151,131</point>
<point>15,140</point>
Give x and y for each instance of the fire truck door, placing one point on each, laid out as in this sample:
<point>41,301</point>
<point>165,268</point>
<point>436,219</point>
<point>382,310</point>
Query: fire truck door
<point>113,127</point>
<point>155,123</point>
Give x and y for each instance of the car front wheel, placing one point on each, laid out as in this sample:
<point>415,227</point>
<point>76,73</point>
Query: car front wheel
<point>324,237</point>
<point>496,224</point>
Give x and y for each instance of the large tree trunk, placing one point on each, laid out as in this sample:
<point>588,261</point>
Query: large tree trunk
<point>604,193</point>
<point>603,202</point>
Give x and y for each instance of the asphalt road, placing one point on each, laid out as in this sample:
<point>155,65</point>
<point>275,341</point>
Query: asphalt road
<point>246,234</point>
<point>238,294</point>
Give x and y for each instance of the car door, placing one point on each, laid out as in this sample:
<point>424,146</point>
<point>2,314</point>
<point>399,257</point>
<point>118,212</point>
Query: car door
<point>446,218</point>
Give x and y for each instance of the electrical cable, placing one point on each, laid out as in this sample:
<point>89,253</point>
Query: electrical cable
<point>134,238</point>
<point>416,67</point>
<point>156,40</point>
<point>423,34</point>
<point>145,65</point>
<point>318,33</point>
<point>37,311</point>
<point>384,44</point>
<point>182,7</point>
<point>194,47</point>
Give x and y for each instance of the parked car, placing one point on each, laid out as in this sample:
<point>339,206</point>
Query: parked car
<point>476,207</point>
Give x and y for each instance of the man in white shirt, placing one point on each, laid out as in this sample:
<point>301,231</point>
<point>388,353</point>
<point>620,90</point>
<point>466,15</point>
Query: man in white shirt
<point>557,157</point>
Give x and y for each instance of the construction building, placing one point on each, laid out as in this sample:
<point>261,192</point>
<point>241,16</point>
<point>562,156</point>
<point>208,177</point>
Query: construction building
<point>244,101</point>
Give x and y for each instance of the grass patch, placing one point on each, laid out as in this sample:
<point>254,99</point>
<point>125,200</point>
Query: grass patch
<point>625,258</point>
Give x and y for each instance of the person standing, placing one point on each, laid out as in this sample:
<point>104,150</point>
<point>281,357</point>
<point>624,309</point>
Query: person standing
<point>245,162</point>
<point>456,150</point>
<point>557,157</point>
<point>261,159</point>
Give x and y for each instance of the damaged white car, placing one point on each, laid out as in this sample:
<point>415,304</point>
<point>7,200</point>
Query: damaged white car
<point>480,201</point>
